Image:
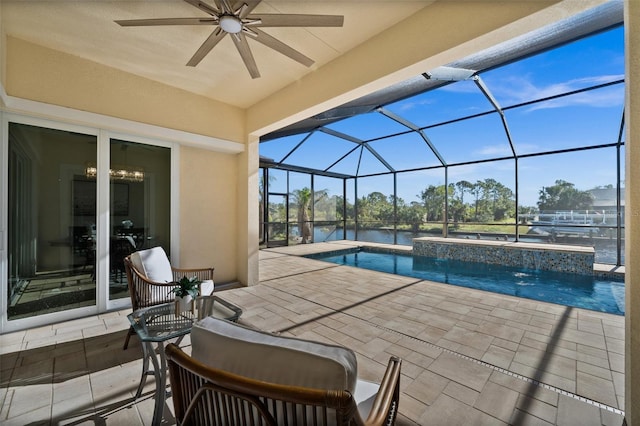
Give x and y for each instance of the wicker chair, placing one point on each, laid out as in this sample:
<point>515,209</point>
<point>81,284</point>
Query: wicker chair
<point>206,395</point>
<point>147,292</point>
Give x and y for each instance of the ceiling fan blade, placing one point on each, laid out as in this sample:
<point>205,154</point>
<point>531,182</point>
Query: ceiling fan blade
<point>206,47</point>
<point>288,20</point>
<point>245,52</point>
<point>243,12</point>
<point>226,6</point>
<point>279,46</point>
<point>166,21</point>
<point>205,7</point>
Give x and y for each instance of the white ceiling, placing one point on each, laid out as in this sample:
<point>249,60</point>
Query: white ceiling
<point>86,29</point>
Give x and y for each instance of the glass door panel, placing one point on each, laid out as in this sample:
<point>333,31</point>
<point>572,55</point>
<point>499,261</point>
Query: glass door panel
<point>51,221</point>
<point>277,229</point>
<point>140,201</point>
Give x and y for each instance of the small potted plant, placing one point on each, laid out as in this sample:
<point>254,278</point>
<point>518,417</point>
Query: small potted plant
<point>185,290</point>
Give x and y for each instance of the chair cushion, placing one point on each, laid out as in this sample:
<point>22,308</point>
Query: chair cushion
<point>206,287</point>
<point>276,359</point>
<point>154,264</point>
<point>364,396</point>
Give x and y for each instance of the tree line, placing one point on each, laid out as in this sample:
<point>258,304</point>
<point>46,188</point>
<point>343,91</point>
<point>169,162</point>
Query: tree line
<point>482,201</point>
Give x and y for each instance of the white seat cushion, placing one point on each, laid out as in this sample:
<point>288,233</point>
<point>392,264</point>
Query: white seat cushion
<point>153,264</point>
<point>206,287</point>
<point>364,396</point>
<point>276,359</point>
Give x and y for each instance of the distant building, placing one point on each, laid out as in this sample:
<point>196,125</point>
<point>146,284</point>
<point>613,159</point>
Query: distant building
<point>605,199</point>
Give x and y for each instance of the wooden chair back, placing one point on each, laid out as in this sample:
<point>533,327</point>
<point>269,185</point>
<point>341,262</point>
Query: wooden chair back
<point>203,395</point>
<point>144,292</point>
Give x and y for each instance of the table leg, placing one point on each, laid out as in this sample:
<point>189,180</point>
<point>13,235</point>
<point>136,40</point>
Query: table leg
<point>160,373</point>
<point>147,351</point>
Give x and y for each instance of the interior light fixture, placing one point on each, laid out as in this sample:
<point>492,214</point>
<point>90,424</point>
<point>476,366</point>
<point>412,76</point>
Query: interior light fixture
<point>230,24</point>
<point>119,173</point>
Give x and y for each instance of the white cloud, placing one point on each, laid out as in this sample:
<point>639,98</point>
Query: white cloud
<point>598,99</point>
<point>515,90</point>
<point>526,147</point>
<point>413,104</point>
<point>496,151</point>
<point>502,150</point>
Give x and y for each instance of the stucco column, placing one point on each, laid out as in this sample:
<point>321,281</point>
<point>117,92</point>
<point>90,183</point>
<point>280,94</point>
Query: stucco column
<point>3,54</point>
<point>632,212</point>
<point>248,179</point>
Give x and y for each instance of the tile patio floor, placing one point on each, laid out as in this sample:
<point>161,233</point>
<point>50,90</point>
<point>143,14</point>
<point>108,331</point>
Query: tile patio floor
<point>469,357</point>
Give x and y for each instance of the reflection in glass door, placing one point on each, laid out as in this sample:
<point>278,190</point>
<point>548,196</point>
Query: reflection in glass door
<point>140,204</point>
<point>51,221</point>
<point>277,225</point>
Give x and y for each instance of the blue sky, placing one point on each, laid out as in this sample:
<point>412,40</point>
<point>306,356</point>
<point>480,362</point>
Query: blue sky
<point>584,119</point>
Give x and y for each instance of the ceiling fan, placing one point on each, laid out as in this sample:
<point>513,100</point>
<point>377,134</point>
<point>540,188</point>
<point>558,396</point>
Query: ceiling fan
<point>237,21</point>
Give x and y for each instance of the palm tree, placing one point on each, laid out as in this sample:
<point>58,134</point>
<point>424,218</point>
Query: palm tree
<point>302,199</point>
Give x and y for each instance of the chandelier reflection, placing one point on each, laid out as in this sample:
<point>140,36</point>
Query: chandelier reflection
<point>118,173</point>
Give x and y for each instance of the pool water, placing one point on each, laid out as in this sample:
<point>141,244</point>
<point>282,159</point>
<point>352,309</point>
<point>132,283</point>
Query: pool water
<point>579,291</point>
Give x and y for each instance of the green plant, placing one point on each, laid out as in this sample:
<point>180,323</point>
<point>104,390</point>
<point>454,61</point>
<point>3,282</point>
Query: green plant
<point>186,287</point>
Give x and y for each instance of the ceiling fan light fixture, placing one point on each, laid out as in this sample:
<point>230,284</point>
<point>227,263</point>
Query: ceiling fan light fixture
<point>231,24</point>
<point>235,18</point>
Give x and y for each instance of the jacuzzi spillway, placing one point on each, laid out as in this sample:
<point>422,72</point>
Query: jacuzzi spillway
<point>542,257</point>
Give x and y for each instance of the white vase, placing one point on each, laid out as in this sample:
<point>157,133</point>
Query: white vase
<point>183,304</point>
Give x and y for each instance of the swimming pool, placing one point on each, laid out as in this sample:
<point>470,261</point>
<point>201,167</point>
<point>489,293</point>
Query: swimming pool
<point>579,291</point>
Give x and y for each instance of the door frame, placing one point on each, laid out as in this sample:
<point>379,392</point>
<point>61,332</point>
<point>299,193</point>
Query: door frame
<point>103,137</point>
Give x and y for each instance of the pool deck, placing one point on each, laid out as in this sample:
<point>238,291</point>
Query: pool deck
<point>469,357</point>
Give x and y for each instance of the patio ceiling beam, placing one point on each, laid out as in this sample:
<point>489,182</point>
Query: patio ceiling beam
<point>290,167</point>
<point>342,158</point>
<point>359,142</point>
<point>297,146</point>
<point>487,93</point>
<point>415,128</point>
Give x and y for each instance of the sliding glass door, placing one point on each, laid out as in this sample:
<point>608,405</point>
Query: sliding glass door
<point>51,221</point>
<point>77,202</point>
<point>140,204</point>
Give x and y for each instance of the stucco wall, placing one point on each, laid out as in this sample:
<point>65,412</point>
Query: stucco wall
<point>632,218</point>
<point>209,191</point>
<point>3,50</point>
<point>45,75</point>
<point>209,218</point>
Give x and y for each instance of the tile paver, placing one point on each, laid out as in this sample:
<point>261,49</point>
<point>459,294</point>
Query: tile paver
<point>468,356</point>
<point>462,371</point>
<point>427,387</point>
<point>534,407</point>
<point>596,388</point>
<point>571,413</point>
<point>497,401</point>
<point>498,356</point>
